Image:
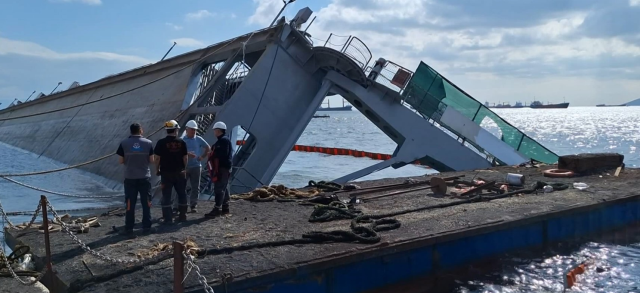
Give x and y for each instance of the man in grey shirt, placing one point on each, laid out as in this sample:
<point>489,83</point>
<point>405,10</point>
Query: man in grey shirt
<point>136,153</point>
<point>198,151</point>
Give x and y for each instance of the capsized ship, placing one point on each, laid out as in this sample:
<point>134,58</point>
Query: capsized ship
<point>269,83</point>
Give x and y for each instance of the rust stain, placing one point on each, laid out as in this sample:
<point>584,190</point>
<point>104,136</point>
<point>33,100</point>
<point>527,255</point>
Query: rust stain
<point>319,278</point>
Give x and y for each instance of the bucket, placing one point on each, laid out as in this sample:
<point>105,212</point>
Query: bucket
<point>515,179</point>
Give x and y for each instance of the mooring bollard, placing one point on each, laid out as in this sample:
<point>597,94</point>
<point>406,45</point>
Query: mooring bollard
<point>178,267</point>
<point>47,244</point>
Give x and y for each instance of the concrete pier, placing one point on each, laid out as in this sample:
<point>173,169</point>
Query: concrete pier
<point>9,285</point>
<point>427,242</point>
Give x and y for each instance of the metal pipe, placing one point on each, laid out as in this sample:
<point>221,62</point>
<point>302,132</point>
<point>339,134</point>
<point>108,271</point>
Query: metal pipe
<point>165,55</point>
<point>59,83</point>
<point>397,192</point>
<point>327,41</point>
<point>281,10</point>
<point>393,186</point>
<point>346,44</point>
<point>47,243</point>
<point>30,96</point>
<point>178,267</point>
<point>305,30</point>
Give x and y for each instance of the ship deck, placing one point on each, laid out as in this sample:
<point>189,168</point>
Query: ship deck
<point>267,221</point>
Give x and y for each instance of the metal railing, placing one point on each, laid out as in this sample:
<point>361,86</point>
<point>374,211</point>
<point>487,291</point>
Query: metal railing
<point>353,47</point>
<point>395,76</point>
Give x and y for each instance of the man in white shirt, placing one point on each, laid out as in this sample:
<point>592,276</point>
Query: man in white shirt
<point>198,149</point>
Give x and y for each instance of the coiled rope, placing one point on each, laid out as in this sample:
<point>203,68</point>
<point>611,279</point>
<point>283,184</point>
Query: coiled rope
<point>111,96</point>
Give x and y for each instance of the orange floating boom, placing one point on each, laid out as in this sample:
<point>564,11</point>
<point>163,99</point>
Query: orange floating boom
<point>571,276</point>
<point>339,152</point>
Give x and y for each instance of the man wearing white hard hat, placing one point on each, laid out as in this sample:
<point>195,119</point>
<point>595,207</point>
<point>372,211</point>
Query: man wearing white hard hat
<point>198,150</point>
<point>219,164</point>
<point>171,162</point>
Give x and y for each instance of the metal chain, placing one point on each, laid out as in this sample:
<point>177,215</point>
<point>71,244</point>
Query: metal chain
<point>4,260</point>
<point>191,265</point>
<point>101,256</point>
<point>12,226</point>
<point>28,213</point>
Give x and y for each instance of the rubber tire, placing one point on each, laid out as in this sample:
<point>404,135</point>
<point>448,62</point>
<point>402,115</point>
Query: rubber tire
<point>558,173</point>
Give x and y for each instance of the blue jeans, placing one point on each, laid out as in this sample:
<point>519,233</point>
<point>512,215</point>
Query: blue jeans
<point>131,189</point>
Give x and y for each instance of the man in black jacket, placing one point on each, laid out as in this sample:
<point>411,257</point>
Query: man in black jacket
<point>171,161</point>
<point>219,169</point>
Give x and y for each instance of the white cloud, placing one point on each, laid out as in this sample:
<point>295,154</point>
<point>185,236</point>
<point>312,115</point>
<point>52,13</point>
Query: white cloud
<point>14,47</point>
<point>198,15</point>
<point>188,42</point>
<point>89,2</point>
<point>265,11</point>
<point>173,26</point>
<point>532,45</point>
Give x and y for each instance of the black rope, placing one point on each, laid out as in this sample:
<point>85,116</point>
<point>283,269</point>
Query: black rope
<point>364,229</point>
<point>325,186</point>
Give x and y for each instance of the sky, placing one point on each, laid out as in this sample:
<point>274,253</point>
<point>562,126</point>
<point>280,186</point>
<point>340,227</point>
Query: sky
<point>584,52</point>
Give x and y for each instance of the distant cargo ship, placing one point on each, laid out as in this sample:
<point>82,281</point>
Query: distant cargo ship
<point>504,105</point>
<point>539,105</point>
<point>603,105</point>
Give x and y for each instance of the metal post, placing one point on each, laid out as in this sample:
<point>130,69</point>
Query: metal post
<point>281,10</point>
<point>305,30</point>
<point>30,96</point>
<point>47,244</point>
<point>344,47</point>
<point>165,55</point>
<point>59,83</point>
<point>178,267</point>
<point>327,41</point>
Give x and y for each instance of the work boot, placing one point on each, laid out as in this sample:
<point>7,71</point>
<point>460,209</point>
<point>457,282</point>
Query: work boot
<point>225,210</point>
<point>148,230</point>
<point>128,233</point>
<point>183,213</point>
<point>194,208</point>
<point>214,213</point>
<point>167,216</point>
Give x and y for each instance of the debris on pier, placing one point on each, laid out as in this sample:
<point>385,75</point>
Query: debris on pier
<point>259,238</point>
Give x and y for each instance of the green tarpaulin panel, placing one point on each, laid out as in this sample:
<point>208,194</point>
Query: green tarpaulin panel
<point>430,94</point>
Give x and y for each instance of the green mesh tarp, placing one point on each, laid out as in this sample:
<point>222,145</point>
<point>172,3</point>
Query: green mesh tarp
<point>430,93</point>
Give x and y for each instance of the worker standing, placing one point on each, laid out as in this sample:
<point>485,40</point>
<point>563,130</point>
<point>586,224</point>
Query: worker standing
<point>198,150</point>
<point>171,161</point>
<point>136,153</point>
<point>219,164</point>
